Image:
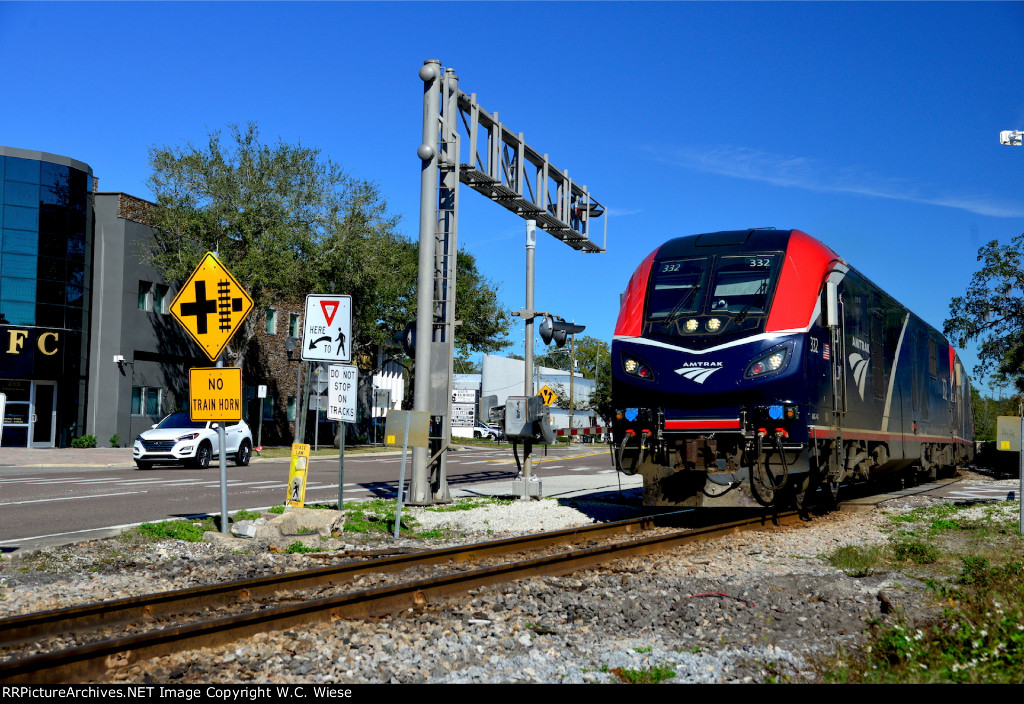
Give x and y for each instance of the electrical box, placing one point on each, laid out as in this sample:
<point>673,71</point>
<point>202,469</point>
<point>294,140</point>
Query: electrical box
<point>526,418</point>
<point>520,414</point>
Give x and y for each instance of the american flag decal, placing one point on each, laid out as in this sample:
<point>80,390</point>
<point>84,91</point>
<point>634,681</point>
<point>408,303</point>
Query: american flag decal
<point>825,353</point>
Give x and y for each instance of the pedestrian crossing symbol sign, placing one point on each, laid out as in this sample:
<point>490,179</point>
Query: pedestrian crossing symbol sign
<point>211,306</point>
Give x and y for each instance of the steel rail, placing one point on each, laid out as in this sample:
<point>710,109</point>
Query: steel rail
<point>26,628</point>
<point>82,662</point>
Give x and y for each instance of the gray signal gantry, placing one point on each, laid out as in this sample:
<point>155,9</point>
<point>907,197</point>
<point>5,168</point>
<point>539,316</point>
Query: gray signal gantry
<point>502,167</point>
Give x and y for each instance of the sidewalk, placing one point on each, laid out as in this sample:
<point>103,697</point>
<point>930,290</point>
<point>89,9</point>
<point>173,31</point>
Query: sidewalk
<point>66,457</point>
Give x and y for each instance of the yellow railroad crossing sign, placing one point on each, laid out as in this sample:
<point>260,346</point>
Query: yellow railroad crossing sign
<point>211,306</point>
<point>548,395</point>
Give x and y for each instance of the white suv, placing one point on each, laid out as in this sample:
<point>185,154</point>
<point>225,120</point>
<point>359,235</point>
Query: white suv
<point>180,440</point>
<point>486,430</point>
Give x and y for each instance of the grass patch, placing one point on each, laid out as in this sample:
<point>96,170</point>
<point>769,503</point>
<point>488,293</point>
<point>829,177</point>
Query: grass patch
<point>376,516</point>
<point>187,530</point>
<point>650,675</point>
<point>973,629</point>
<point>468,504</point>
<point>298,548</point>
<point>857,561</point>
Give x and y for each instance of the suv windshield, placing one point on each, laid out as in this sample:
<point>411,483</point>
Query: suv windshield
<point>730,287</point>
<point>180,420</point>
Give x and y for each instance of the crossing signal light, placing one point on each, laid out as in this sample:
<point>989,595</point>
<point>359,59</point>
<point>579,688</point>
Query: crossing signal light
<point>557,330</point>
<point>407,337</point>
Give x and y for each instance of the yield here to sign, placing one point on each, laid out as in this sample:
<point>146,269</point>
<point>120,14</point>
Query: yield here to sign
<point>327,329</point>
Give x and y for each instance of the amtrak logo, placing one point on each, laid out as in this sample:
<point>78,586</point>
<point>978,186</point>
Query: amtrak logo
<point>859,366</point>
<point>699,371</point>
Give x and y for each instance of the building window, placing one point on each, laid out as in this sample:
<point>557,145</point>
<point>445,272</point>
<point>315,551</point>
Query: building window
<point>291,409</point>
<point>146,401</point>
<point>153,297</point>
<point>145,302</point>
<point>160,299</point>
<point>293,325</point>
<point>271,322</point>
<point>268,408</point>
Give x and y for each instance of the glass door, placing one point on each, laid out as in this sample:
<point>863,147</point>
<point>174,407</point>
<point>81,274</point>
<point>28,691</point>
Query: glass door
<point>17,412</point>
<point>44,413</point>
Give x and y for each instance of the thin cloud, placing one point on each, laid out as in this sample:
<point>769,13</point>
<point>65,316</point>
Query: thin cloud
<point>812,175</point>
<point>619,212</point>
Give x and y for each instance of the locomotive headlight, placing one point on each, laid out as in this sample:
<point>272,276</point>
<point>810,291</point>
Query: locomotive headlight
<point>635,367</point>
<point>713,324</point>
<point>691,325</point>
<point>765,364</point>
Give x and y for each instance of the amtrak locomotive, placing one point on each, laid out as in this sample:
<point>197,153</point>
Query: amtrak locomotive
<point>752,367</point>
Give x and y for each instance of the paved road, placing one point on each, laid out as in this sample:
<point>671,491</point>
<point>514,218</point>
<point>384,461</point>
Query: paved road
<point>44,501</point>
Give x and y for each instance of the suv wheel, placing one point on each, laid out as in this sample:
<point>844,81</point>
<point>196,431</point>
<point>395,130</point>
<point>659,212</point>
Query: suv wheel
<point>203,455</point>
<point>142,464</point>
<point>243,455</point>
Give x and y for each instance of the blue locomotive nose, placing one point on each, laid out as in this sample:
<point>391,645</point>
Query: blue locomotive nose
<point>759,357</point>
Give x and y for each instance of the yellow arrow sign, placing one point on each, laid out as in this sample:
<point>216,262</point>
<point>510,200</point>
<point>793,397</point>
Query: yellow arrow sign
<point>548,395</point>
<point>211,306</point>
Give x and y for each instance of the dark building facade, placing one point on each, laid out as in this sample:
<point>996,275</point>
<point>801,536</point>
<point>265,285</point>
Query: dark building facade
<point>87,342</point>
<point>45,271</point>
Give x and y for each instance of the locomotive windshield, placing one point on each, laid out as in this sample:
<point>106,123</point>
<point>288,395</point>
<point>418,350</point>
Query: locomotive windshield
<point>685,294</point>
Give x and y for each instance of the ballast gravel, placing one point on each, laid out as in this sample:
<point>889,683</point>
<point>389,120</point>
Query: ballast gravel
<point>751,607</point>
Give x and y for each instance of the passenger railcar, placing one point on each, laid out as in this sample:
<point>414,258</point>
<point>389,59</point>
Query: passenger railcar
<point>751,367</point>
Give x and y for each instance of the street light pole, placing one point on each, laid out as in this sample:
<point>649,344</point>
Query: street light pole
<point>1015,138</point>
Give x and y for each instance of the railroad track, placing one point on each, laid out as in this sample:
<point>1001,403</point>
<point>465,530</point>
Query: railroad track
<point>80,663</point>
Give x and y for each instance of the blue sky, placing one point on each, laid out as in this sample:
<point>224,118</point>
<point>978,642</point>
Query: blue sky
<point>872,126</point>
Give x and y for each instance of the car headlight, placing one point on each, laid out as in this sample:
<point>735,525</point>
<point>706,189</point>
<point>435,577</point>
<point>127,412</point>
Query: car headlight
<point>765,364</point>
<point>186,436</point>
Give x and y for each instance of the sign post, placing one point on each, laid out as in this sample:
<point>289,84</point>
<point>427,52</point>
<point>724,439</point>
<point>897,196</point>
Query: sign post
<point>414,428</point>
<point>211,290</point>
<point>343,382</point>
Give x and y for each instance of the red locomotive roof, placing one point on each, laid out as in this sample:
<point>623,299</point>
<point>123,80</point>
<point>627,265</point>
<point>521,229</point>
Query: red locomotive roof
<point>631,314</point>
<point>807,263</point>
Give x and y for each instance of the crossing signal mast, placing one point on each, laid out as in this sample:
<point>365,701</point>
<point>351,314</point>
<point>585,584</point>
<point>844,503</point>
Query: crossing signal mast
<point>505,169</point>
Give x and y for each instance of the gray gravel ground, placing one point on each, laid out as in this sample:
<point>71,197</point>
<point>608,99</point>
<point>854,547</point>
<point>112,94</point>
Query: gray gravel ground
<point>753,607</point>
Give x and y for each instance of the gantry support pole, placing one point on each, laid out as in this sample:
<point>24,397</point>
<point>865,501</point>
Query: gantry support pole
<point>430,73</point>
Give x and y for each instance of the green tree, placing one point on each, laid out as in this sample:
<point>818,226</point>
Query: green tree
<point>484,323</point>
<point>593,361</point>
<point>287,222</point>
<point>284,221</point>
<point>987,410</point>
<point>991,312</point>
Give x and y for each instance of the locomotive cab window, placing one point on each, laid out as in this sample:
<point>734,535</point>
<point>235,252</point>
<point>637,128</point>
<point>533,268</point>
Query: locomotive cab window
<point>676,288</point>
<point>741,284</point>
<point>709,296</point>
